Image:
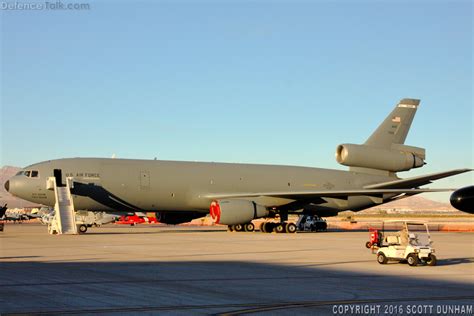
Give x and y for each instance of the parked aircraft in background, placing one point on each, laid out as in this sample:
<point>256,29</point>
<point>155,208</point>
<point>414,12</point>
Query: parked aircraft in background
<point>13,216</point>
<point>463,199</point>
<point>238,193</point>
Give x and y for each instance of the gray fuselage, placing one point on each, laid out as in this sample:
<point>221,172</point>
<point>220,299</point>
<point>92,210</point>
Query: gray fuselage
<point>152,185</point>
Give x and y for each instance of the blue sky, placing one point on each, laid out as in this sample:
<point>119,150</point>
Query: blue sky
<point>279,82</point>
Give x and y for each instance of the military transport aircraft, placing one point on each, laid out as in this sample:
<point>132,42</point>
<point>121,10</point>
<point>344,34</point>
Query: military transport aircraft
<point>236,194</point>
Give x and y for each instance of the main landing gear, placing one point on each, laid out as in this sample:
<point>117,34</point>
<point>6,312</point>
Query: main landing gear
<point>284,227</point>
<point>268,227</point>
<point>265,227</point>
<point>248,227</point>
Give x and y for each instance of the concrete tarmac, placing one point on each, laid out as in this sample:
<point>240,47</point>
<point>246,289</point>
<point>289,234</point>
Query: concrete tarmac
<point>154,269</point>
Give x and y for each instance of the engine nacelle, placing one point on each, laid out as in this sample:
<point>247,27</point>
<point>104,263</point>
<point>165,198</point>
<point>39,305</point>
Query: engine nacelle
<point>174,218</point>
<point>232,212</point>
<point>463,199</point>
<point>398,158</point>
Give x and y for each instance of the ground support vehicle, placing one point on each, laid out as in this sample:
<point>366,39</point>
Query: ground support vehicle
<point>313,223</point>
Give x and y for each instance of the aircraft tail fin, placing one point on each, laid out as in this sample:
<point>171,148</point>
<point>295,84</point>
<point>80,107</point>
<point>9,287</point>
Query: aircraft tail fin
<point>394,129</point>
<point>384,151</point>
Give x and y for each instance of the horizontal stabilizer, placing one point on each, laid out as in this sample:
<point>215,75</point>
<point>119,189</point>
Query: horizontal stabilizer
<point>416,181</point>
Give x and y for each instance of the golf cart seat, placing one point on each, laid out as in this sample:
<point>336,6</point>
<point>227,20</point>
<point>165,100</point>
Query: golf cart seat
<point>392,240</point>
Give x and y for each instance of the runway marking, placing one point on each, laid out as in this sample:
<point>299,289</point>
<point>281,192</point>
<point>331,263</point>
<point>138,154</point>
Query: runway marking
<point>248,307</point>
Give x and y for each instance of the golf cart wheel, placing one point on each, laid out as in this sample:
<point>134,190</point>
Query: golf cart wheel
<point>431,260</point>
<point>239,228</point>
<point>82,229</point>
<point>381,258</point>
<point>368,245</point>
<point>412,259</point>
<point>230,228</point>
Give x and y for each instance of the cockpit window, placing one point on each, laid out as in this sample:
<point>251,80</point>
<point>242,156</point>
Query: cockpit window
<point>29,173</point>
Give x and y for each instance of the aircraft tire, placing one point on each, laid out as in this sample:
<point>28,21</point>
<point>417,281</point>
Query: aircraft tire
<point>268,227</point>
<point>249,227</point>
<point>290,228</point>
<point>280,228</point>
<point>82,229</point>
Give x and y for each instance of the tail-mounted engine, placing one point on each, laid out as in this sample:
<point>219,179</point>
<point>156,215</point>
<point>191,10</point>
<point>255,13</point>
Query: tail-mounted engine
<point>397,158</point>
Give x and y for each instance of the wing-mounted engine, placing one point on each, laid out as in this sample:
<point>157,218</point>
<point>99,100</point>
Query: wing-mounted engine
<point>232,211</point>
<point>394,159</point>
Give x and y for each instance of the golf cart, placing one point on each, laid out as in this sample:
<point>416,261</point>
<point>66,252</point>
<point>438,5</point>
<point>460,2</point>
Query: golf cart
<point>412,243</point>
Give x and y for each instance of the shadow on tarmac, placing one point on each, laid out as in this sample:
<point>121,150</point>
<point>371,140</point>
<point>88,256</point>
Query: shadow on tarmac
<point>455,261</point>
<point>212,287</point>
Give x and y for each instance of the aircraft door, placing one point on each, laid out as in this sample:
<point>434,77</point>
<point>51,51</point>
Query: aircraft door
<point>58,177</point>
<point>144,180</point>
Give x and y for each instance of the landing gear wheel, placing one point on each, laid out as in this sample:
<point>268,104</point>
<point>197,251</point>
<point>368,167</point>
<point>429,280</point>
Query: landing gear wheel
<point>280,228</point>
<point>239,227</point>
<point>230,228</point>
<point>412,259</point>
<point>290,228</point>
<point>381,258</point>
<point>249,227</point>
<point>431,260</point>
<point>82,229</point>
<point>368,245</point>
<point>268,227</point>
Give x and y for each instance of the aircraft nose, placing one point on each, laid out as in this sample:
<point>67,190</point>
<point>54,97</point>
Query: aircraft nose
<point>7,185</point>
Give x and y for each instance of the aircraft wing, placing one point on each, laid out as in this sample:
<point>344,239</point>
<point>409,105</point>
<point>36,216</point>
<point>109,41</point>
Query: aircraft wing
<point>308,195</point>
<point>416,181</point>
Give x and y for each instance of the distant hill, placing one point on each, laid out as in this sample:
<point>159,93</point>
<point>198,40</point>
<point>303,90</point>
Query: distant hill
<point>413,204</point>
<point>6,173</point>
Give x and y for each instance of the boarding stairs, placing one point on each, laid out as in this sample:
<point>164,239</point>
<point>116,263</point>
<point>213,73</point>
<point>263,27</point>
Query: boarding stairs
<point>64,220</point>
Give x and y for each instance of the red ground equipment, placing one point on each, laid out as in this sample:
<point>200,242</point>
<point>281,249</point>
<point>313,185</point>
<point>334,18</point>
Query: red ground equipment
<point>375,238</point>
<point>133,220</point>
